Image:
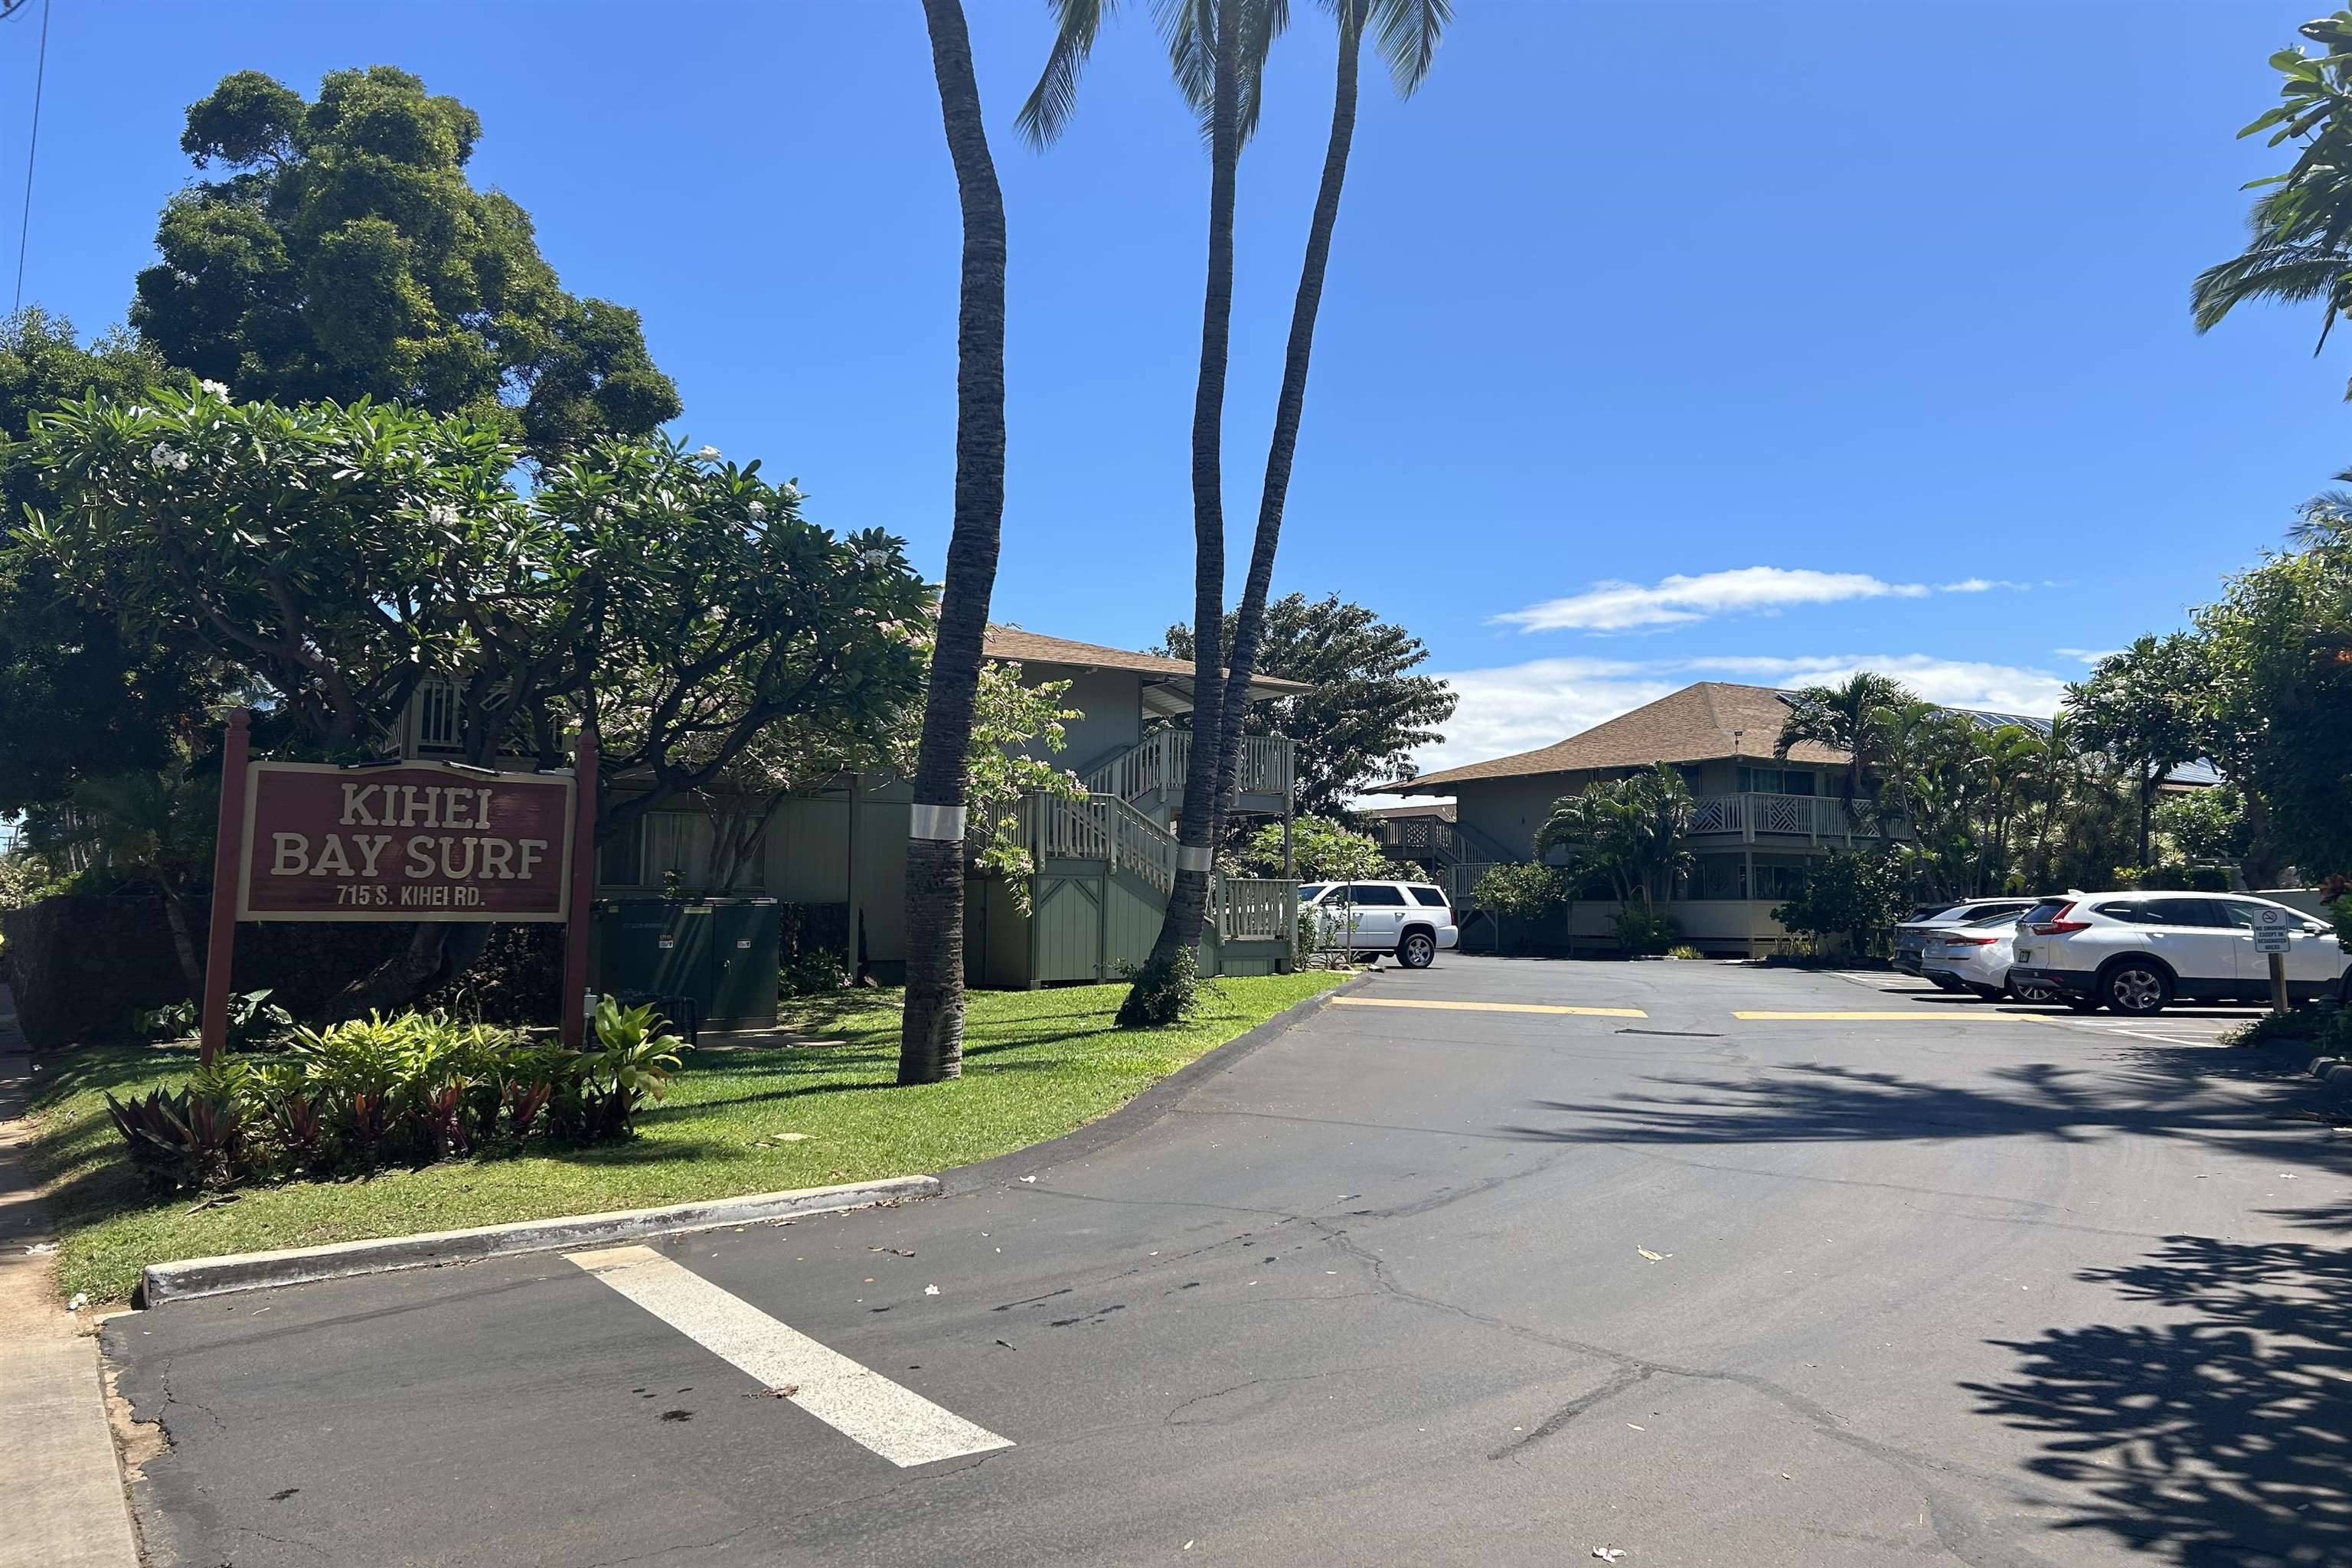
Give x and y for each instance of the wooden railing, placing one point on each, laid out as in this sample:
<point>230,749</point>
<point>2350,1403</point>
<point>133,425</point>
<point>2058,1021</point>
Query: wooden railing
<point>1808,817</point>
<point>1100,827</point>
<point>1264,764</point>
<point>1433,838</point>
<point>1256,907</point>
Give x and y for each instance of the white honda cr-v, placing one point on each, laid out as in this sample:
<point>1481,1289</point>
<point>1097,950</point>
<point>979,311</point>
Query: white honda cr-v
<point>2138,953</point>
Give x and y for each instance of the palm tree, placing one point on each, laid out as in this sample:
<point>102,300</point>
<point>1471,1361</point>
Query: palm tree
<point>1216,49</point>
<point>2299,246</point>
<point>1849,718</point>
<point>930,1040</point>
<point>1407,33</point>
<point>1632,831</point>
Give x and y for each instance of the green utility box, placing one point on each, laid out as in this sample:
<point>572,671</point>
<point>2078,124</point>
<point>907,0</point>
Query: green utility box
<point>720,953</point>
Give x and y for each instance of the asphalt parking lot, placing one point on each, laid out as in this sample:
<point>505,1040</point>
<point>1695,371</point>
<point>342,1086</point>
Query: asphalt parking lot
<point>1496,1262</point>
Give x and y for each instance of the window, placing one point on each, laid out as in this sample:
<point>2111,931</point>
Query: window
<point>661,844</point>
<point>1718,877</point>
<point>1777,781</point>
<point>1777,877</point>
<point>2179,912</point>
<point>1311,891</point>
<point>1432,897</point>
<point>1378,895</point>
<point>2236,914</point>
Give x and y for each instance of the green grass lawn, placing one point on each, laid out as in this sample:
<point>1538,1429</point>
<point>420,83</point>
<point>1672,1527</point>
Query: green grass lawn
<point>1037,1064</point>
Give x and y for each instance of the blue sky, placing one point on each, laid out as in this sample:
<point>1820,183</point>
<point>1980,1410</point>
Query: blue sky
<point>1663,342</point>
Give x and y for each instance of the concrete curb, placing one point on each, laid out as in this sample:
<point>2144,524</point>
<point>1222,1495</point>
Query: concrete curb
<point>1146,1107</point>
<point>192,1278</point>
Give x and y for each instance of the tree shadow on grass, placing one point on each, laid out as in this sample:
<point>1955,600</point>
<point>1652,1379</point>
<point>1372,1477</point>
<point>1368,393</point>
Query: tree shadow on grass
<point>2176,1094</point>
<point>2221,1438</point>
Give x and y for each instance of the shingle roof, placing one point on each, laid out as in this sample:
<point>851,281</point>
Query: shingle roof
<point>1692,725</point>
<point>1015,646</point>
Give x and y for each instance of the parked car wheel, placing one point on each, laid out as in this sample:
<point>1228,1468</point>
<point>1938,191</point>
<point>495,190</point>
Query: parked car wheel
<point>1417,950</point>
<point>2033,991</point>
<point>2136,987</point>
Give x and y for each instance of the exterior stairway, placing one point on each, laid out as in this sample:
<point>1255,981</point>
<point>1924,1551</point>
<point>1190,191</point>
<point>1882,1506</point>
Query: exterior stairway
<point>1105,866</point>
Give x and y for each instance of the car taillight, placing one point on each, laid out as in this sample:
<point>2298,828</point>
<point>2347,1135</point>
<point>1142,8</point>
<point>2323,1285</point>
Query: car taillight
<point>2058,924</point>
<point>1971,940</point>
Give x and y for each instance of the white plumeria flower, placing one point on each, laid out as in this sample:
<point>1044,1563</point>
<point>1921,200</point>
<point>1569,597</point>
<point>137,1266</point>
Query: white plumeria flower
<point>790,490</point>
<point>441,516</point>
<point>710,453</point>
<point>164,457</point>
<point>218,388</point>
<point>873,557</point>
<point>759,510</point>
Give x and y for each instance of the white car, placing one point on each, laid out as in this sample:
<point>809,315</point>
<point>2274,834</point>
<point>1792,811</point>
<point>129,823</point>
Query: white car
<point>1411,919</point>
<point>1911,936</point>
<point>1981,957</point>
<point>2138,953</point>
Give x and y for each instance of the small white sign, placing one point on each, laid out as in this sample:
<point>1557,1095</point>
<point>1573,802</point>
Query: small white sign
<point>2271,939</point>
<point>2268,917</point>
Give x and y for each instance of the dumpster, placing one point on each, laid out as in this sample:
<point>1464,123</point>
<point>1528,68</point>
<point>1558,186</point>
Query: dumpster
<point>717,956</point>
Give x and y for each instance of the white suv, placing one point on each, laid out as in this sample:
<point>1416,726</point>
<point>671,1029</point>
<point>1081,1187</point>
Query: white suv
<point>1411,919</point>
<point>2138,952</point>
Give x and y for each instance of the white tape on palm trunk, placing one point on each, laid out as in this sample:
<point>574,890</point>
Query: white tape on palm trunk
<point>943,823</point>
<point>1189,858</point>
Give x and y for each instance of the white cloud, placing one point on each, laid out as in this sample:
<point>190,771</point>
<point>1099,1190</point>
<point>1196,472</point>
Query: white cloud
<point>2088,655</point>
<point>1520,707</point>
<point>1681,600</point>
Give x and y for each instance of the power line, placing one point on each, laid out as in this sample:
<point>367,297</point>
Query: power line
<point>32,146</point>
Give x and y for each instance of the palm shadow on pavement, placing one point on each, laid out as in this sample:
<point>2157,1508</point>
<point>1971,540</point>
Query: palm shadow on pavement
<point>2220,1437</point>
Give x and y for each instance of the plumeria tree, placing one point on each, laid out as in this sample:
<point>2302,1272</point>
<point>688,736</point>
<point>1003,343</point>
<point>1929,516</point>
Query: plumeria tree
<point>335,557</point>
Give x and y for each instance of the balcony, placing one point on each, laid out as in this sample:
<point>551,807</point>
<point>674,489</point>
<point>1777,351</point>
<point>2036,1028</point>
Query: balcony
<point>1773,818</point>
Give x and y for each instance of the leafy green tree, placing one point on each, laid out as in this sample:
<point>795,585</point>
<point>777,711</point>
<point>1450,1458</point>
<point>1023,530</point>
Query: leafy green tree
<point>2278,691</point>
<point>346,255</point>
<point>1856,894</point>
<point>2205,824</point>
<point>930,1039</point>
<point>332,558</point>
<point>2145,707</point>
<point>107,705</point>
<point>1850,718</point>
<point>1368,713</point>
<point>1524,891</point>
<point>2299,244</point>
<point>1323,849</point>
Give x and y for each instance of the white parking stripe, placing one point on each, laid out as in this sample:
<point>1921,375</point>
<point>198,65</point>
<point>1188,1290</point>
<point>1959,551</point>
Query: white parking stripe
<point>856,1401</point>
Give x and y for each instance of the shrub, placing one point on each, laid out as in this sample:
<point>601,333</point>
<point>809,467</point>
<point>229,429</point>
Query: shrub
<point>2172,878</point>
<point>1527,891</point>
<point>814,971</point>
<point>1643,930</point>
<point>1856,894</point>
<point>415,1087</point>
<point>253,1019</point>
<point>2327,1027</point>
<point>1163,994</point>
<point>1684,950</point>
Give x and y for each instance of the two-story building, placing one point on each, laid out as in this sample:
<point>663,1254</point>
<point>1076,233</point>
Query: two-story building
<point>1759,820</point>
<point>1105,865</point>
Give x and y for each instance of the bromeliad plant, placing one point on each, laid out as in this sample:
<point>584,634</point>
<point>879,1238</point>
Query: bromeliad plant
<point>412,1086</point>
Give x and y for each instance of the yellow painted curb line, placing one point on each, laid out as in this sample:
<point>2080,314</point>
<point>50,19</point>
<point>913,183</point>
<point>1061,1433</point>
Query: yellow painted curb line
<point>1489,1006</point>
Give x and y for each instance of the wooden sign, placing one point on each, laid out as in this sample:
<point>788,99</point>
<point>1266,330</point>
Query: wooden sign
<point>420,841</point>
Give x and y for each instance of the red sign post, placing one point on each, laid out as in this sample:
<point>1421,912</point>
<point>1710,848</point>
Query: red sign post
<point>398,842</point>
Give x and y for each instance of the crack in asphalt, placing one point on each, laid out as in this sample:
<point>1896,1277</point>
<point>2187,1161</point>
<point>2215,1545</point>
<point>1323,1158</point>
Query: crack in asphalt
<point>1959,1529</point>
<point>1169,1420</point>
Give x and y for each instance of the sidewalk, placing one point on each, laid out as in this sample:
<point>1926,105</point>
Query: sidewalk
<point>53,1425</point>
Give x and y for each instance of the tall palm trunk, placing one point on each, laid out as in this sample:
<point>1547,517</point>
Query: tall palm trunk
<point>1249,625</point>
<point>1148,1002</point>
<point>930,1040</point>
